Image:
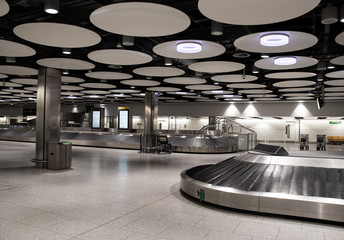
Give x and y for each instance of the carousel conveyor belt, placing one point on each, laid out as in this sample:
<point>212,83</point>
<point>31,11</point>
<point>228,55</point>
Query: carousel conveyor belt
<point>287,185</point>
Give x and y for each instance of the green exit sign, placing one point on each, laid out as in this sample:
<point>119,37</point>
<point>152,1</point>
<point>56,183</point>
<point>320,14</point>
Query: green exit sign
<point>335,122</point>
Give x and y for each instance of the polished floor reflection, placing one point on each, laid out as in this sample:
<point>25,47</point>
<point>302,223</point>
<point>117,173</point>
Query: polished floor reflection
<point>122,194</point>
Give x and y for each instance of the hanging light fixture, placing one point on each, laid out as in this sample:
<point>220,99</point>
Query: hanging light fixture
<point>168,61</point>
<point>216,28</point>
<point>10,59</point>
<point>285,61</point>
<point>127,40</point>
<point>274,40</point>
<point>341,14</point>
<point>329,15</point>
<point>51,6</point>
<point>189,47</point>
<point>264,55</point>
<point>67,51</point>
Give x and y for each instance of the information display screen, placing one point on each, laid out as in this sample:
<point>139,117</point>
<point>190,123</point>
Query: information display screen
<point>96,119</point>
<point>123,119</point>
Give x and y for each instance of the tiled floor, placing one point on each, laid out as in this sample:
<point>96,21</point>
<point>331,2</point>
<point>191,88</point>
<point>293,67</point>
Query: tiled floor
<point>122,194</point>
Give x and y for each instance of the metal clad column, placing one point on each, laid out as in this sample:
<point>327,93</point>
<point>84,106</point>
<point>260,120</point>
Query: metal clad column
<point>151,122</point>
<point>48,112</point>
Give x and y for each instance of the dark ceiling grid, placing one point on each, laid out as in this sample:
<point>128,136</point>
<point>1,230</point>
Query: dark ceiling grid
<point>77,13</point>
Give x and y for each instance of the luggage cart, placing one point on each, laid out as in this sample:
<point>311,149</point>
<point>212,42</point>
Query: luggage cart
<point>304,142</point>
<point>321,142</point>
<point>163,145</point>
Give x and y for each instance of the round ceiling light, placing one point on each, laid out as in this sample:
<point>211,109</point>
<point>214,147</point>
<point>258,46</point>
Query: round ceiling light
<point>285,61</point>
<point>274,40</point>
<point>189,47</point>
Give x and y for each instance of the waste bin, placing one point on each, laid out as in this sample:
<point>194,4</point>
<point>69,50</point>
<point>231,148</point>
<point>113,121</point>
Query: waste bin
<point>59,155</point>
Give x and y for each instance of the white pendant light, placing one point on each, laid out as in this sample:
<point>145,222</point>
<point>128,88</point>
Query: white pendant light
<point>128,40</point>
<point>329,15</point>
<point>51,6</point>
<point>274,40</point>
<point>284,61</point>
<point>216,28</point>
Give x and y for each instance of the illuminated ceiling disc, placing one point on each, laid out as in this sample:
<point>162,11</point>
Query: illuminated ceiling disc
<point>216,66</point>
<point>140,19</point>
<point>159,71</point>
<point>338,60</point>
<point>3,76</point>
<point>340,39</point>
<point>16,90</point>
<point>247,12</point>
<point>290,75</point>
<point>227,96</point>
<point>336,74</point>
<point>72,94</point>
<point>97,85</point>
<point>57,35</point>
<point>339,82</point>
<point>18,70</point>
<point>169,49</point>
<point>255,91</point>
<point>95,92</point>
<point>262,96</point>
<point>298,94</point>
<point>65,63</point>
<point>67,79</point>
<point>124,91</point>
<point>4,8</point>
<point>267,99</point>
<point>296,41</point>
<point>203,87</point>
<point>108,75</point>
<point>13,49</point>
<point>334,89</point>
<point>301,62</point>
<point>246,85</point>
<point>293,83</point>
<point>71,88</point>
<point>302,89</point>
<point>5,93</point>
<point>25,81</point>
<point>189,47</point>
<point>334,94</point>
<point>163,89</point>
<point>234,78</point>
<point>141,83</point>
<point>217,92</point>
<point>185,80</point>
<point>119,57</point>
<point>182,93</point>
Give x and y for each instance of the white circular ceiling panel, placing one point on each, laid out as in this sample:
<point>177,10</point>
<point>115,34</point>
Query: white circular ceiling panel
<point>262,96</point>
<point>334,89</point>
<point>18,70</point>
<point>97,85</point>
<point>10,84</point>
<point>4,8</point>
<point>96,92</point>
<point>255,91</point>
<point>296,41</point>
<point>207,100</point>
<point>72,94</point>
<point>3,76</point>
<point>290,75</point>
<point>338,60</point>
<point>119,57</point>
<point>124,91</point>
<point>13,49</point>
<point>304,89</point>
<point>216,66</point>
<point>140,19</point>
<point>339,82</point>
<point>182,93</point>
<point>203,87</point>
<point>65,63</point>
<point>108,75</point>
<point>267,99</point>
<point>298,94</point>
<point>340,39</point>
<point>301,62</point>
<point>185,80</point>
<point>334,94</point>
<point>31,89</point>
<point>71,88</point>
<point>234,78</point>
<point>57,34</point>
<point>169,49</point>
<point>217,92</point>
<point>248,12</point>
<point>25,81</point>
<point>16,90</point>
<point>140,82</point>
<point>336,74</point>
<point>68,79</point>
<point>163,89</point>
<point>246,85</point>
<point>293,83</point>
<point>159,71</point>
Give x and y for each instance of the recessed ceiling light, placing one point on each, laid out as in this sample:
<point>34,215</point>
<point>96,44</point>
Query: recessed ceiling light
<point>189,47</point>
<point>274,40</point>
<point>93,96</point>
<point>72,97</point>
<point>182,93</point>
<point>217,91</point>
<point>285,61</point>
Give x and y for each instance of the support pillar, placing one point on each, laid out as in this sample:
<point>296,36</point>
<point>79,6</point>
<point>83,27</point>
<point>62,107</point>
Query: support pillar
<point>149,140</point>
<point>48,112</point>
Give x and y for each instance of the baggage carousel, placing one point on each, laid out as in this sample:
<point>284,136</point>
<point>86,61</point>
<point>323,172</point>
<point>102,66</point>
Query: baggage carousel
<point>271,180</point>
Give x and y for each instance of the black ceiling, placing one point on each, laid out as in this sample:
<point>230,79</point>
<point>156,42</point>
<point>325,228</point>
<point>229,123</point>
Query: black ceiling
<point>77,13</point>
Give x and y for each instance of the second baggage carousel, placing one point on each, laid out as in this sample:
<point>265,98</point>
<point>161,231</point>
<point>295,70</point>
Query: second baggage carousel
<point>269,179</point>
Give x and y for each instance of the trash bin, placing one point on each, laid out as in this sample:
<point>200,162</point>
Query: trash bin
<point>59,155</point>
